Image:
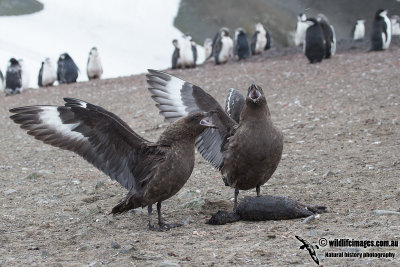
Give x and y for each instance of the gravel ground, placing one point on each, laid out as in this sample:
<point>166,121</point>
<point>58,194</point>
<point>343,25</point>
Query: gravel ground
<point>340,119</point>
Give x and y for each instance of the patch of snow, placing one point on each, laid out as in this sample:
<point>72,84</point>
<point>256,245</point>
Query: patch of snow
<point>131,36</point>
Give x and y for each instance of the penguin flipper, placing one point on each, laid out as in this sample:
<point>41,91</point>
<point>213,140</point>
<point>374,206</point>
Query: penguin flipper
<point>234,104</point>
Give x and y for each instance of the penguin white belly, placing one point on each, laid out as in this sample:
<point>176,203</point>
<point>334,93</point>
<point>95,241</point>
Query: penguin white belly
<point>25,77</point>
<point>300,35</point>
<point>261,42</point>
<point>359,32</point>
<point>49,76</point>
<point>226,49</point>
<point>387,38</point>
<point>396,28</point>
<point>333,44</point>
<point>186,54</point>
<point>95,68</point>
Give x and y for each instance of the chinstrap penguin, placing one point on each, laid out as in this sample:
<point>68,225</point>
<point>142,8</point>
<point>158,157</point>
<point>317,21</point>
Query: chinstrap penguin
<point>381,34</point>
<point>176,62</point>
<point>13,78</point>
<point>47,73</point>
<point>260,40</point>
<point>301,28</point>
<point>395,20</point>
<point>94,68</point>
<point>185,53</point>
<point>314,44</point>
<point>358,31</point>
<point>67,71</point>
<point>223,47</point>
<point>241,50</point>
<point>329,35</point>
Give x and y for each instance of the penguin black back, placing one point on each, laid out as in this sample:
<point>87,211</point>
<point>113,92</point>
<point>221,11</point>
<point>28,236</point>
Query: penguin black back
<point>13,77</point>
<point>40,81</point>
<point>328,35</point>
<point>241,44</point>
<point>315,42</point>
<point>175,55</point>
<point>67,71</point>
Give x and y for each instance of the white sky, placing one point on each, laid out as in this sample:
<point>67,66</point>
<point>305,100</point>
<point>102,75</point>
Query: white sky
<point>131,35</point>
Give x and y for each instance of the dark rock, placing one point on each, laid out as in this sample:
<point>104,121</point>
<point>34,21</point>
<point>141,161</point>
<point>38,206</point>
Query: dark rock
<point>223,217</point>
<point>115,245</point>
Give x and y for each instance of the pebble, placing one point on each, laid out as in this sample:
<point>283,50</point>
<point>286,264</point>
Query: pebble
<point>198,202</point>
<point>115,245</point>
<point>168,264</point>
<point>327,173</point>
<point>9,191</point>
<point>386,212</point>
<point>311,218</point>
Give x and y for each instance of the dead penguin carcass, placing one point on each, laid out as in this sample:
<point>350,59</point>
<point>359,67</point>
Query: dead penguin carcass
<point>264,208</point>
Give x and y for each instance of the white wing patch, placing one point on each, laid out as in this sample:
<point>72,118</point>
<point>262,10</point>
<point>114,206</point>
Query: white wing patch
<point>50,117</point>
<point>169,98</point>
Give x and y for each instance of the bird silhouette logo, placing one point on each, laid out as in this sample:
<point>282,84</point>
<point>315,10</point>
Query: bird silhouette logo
<point>310,248</point>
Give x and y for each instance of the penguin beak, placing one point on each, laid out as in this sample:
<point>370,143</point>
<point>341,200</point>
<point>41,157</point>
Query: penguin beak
<point>254,93</point>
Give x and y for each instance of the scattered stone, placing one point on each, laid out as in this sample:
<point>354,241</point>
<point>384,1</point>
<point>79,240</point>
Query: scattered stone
<point>43,254</point>
<point>9,191</point>
<point>168,264</point>
<point>91,199</point>
<point>115,245</point>
<point>45,172</point>
<point>99,185</point>
<point>5,167</point>
<point>386,212</point>
<point>33,175</point>
<point>82,248</point>
<point>198,202</point>
<point>76,182</point>
<point>127,250</point>
<point>311,218</point>
<point>327,173</point>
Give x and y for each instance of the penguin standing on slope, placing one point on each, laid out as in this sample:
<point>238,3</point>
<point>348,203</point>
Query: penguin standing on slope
<point>329,35</point>
<point>175,56</point>
<point>314,45</point>
<point>24,74</point>
<point>194,51</point>
<point>47,73</point>
<point>223,47</point>
<point>207,48</point>
<point>241,44</point>
<point>301,28</point>
<point>1,81</point>
<point>67,71</point>
<point>186,52</point>
<point>358,32</point>
<point>381,31</point>
<point>260,40</point>
<point>94,68</point>
<point>395,20</point>
<point>13,78</point>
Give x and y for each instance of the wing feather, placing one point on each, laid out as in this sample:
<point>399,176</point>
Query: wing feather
<point>177,98</point>
<point>92,132</point>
